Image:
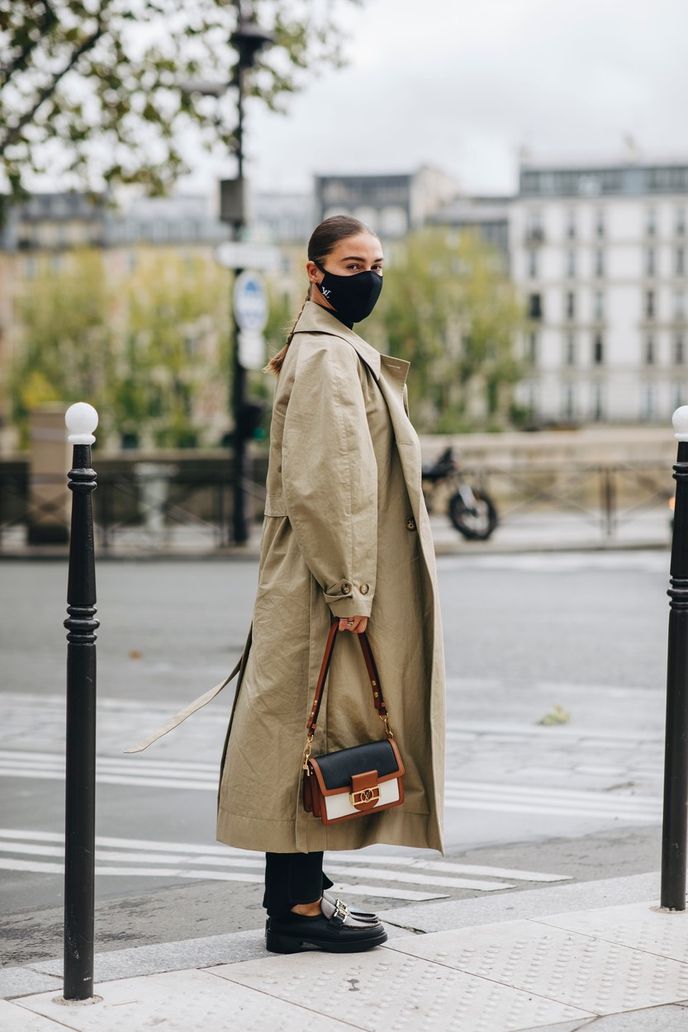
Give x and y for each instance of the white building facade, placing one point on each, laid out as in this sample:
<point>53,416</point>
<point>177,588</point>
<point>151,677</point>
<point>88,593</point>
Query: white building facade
<point>600,254</point>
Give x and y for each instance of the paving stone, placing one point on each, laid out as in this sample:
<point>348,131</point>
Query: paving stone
<point>654,1019</point>
<point>571,967</point>
<point>21,981</point>
<point>383,990</point>
<point>178,1002</point>
<point>642,926</point>
<point>14,1018</point>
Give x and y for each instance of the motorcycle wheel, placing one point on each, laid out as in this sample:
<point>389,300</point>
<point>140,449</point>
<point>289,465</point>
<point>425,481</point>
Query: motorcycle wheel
<point>475,523</point>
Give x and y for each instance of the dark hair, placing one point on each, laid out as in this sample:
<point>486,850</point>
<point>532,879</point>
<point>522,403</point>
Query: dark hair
<point>322,242</point>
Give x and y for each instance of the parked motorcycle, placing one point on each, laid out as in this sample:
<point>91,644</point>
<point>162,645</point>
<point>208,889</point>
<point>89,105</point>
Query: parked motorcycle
<point>471,511</point>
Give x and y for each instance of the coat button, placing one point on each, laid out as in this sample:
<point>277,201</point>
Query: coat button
<point>411,523</point>
<point>364,589</point>
<point>346,588</point>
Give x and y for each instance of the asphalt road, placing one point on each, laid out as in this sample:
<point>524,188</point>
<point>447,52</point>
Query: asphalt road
<point>578,639</point>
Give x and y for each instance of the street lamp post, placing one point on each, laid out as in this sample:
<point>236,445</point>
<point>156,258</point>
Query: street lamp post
<point>248,39</point>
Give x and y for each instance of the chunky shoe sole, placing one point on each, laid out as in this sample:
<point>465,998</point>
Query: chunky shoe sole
<point>277,942</point>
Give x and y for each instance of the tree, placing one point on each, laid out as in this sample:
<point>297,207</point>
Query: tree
<point>103,81</point>
<point>450,309</point>
<point>66,338</point>
<point>174,350</point>
<point>149,350</point>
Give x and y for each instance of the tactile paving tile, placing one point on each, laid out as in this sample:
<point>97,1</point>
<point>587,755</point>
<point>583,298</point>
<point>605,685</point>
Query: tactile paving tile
<point>178,1001</point>
<point>572,967</point>
<point>385,991</point>
<point>639,925</point>
<point>15,1019</point>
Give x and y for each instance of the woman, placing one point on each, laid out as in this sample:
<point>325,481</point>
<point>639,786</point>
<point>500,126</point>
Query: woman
<point>345,532</point>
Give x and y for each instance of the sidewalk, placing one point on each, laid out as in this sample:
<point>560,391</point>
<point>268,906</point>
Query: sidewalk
<point>559,957</point>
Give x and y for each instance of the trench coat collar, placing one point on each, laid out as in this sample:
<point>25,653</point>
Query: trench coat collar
<point>316,318</point>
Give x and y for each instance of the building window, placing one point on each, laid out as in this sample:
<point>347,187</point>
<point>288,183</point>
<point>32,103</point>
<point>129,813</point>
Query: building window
<point>570,305</point>
<point>535,306</point>
<point>571,224</point>
<point>651,222</point>
<point>569,406</point>
<point>650,261</point>
<point>649,304</point>
<point>599,223</point>
<point>570,349</point>
<point>597,407</point>
<point>680,221</point>
<point>598,306</point>
<point>679,349</point>
<point>679,304</point>
<point>599,263</point>
<point>534,231</point>
<point>680,261</point>
<point>570,263</point>
<point>649,349</point>
<point>649,401</point>
<point>532,348</point>
<point>532,264</point>
<point>597,349</point>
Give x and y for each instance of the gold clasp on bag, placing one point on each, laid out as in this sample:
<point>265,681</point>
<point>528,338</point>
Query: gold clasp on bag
<point>364,795</point>
<point>307,754</point>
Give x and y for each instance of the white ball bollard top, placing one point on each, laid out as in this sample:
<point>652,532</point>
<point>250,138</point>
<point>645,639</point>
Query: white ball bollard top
<point>680,421</point>
<point>81,419</point>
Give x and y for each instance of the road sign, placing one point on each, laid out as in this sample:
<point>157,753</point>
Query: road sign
<point>251,349</point>
<point>243,254</point>
<point>250,302</point>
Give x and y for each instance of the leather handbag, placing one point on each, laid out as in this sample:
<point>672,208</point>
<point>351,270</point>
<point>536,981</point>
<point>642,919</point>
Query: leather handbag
<point>362,779</point>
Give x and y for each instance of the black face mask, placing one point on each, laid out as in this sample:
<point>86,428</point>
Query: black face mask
<point>352,297</point>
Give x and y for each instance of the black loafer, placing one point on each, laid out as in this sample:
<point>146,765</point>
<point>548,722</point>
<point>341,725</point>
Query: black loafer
<point>334,930</point>
<point>362,915</point>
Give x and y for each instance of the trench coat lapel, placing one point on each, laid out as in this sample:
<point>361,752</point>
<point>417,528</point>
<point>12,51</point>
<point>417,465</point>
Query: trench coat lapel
<point>390,373</point>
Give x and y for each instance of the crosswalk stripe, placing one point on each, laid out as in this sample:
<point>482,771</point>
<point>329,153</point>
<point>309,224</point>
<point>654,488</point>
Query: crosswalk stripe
<point>552,792</point>
<point>181,861</point>
<point>191,856</point>
<point>492,796</point>
<point>43,867</point>
<point>504,807</point>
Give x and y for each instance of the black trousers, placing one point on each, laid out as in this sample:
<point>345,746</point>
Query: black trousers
<point>293,878</point>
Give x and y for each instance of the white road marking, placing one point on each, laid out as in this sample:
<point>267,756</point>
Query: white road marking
<point>343,856</point>
<point>459,794</point>
<point>117,856</point>
<point>42,867</point>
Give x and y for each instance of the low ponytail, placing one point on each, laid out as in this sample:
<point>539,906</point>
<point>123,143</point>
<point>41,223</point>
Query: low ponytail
<point>275,363</point>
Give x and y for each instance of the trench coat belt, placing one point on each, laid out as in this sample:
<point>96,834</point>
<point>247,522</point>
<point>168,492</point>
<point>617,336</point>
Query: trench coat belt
<point>201,701</point>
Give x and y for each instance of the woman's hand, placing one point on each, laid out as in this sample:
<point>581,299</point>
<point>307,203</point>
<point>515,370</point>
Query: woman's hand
<point>353,623</point>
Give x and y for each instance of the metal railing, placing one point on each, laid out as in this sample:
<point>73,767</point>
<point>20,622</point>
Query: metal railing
<point>153,505</point>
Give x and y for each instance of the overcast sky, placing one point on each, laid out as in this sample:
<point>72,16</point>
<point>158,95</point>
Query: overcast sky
<point>463,85</point>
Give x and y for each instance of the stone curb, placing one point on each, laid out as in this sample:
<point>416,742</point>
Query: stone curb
<point>234,947</point>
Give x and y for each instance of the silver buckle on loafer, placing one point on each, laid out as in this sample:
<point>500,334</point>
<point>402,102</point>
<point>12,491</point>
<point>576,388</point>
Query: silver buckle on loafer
<point>341,911</point>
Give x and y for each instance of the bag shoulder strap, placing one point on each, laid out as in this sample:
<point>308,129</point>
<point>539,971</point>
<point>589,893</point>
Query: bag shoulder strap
<point>378,700</point>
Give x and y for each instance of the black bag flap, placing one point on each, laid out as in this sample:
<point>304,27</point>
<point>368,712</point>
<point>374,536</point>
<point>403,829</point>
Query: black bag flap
<point>337,768</point>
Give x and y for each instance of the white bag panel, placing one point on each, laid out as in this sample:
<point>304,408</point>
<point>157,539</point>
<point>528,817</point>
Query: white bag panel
<point>339,805</point>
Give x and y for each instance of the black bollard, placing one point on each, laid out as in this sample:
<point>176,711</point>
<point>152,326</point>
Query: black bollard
<point>79,870</point>
<point>673,877</point>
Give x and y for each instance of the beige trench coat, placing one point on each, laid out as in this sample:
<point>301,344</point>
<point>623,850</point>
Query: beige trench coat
<point>346,531</point>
